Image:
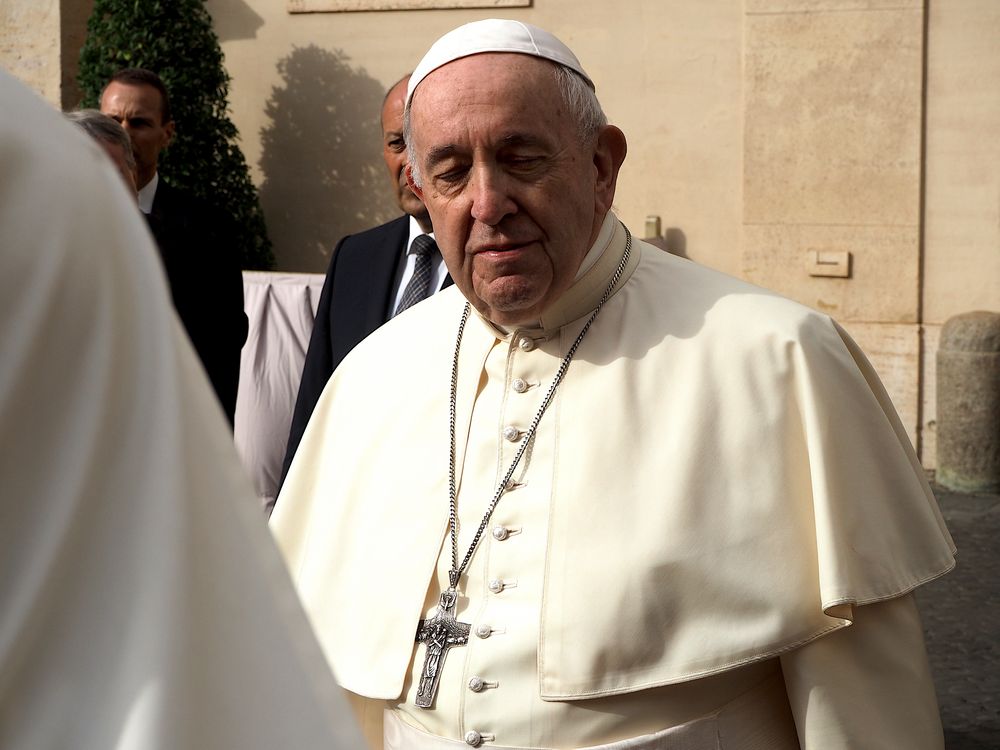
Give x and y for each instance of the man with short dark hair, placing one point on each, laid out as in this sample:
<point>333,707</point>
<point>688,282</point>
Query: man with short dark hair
<point>202,264</point>
<point>368,276</point>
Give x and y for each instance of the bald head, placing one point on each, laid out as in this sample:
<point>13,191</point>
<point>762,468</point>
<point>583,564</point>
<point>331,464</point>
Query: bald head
<point>395,154</point>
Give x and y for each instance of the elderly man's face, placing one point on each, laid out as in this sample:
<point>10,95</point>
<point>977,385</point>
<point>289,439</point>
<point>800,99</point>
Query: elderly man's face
<point>515,197</point>
<point>139,109</point>
<point>394,153</point>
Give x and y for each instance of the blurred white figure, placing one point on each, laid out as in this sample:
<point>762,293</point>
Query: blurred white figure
<point>142,602</point>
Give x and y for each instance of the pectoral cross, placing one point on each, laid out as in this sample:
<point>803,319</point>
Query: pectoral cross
<point>439,633</point>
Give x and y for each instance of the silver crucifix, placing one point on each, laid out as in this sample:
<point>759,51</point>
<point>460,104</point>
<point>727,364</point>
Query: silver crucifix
<point>439,633</point>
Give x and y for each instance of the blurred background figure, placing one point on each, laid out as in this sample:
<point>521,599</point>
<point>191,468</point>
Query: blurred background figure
<point>111,137</point>
<point>373,275</point>
<point>195,239</point>
<point>142,602</point>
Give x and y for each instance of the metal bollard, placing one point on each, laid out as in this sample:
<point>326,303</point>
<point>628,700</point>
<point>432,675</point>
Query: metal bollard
<point>968,403</point>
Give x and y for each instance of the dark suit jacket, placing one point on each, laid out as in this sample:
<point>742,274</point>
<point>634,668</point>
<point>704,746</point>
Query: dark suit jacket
<point>357,294</point>
<point>203,268</point>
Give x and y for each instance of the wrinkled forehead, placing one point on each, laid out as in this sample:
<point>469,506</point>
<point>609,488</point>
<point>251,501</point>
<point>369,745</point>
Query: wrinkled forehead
<point>506,94</point>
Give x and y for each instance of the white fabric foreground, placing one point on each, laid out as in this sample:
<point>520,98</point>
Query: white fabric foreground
<point>281,308</point>
<point>142,603</point>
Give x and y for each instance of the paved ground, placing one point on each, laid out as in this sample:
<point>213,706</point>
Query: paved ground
<point>961,615</point>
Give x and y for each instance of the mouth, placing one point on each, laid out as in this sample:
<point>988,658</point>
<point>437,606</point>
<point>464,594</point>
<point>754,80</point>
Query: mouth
<point>499,248</point>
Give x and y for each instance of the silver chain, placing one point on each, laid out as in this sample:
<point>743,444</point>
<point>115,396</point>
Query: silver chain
<point>456,570</point>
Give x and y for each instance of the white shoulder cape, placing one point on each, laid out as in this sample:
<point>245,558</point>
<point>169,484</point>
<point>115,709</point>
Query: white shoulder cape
<point>731,481</point>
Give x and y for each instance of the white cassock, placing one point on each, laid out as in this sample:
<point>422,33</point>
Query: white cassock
<point>712,542</point>
<point>143,605</point>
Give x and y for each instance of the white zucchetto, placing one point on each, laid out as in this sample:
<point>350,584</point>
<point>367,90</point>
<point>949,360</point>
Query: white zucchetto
<point>493,35</point>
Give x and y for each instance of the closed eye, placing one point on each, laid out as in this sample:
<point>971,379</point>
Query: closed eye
<point>452,176</point>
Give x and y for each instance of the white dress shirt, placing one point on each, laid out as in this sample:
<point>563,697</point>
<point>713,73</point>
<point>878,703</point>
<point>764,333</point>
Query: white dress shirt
<point>147,193</point>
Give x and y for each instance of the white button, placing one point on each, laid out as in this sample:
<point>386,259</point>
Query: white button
<point>519,385</point>
<point>500,533</point>
<point>474,738</point>
<point>496,585</point>
<point>511,433</point>
<point>526,344</point>
<point>484,631</point>
<point>476,685</point>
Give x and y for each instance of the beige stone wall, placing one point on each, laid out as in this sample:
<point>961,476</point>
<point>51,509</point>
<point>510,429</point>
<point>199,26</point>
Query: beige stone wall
<point>832,164</point>
<point>40,44</point>
<point>961,269</point>
<point>962,230</point>
<point>30,45</point>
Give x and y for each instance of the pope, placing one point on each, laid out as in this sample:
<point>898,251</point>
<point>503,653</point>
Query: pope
<point>608,498</point>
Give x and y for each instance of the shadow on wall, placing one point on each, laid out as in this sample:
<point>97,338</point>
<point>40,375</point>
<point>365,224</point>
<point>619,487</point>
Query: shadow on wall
<point>323,174</point>
<point>233,19</point>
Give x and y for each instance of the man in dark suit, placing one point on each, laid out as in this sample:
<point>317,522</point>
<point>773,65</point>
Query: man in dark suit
<point>201,262</point>
<point>373,276</point>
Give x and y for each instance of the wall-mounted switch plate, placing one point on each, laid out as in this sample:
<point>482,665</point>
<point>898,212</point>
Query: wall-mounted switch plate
<point>836,263</point>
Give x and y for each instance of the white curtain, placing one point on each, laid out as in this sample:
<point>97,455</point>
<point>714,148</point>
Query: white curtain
<point>281,308</point>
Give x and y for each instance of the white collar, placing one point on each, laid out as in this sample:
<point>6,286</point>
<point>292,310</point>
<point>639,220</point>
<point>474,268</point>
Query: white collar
<point>416,231</point>
<point>147,193</point>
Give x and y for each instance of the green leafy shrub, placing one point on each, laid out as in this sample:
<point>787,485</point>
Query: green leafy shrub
<point>174,38</point>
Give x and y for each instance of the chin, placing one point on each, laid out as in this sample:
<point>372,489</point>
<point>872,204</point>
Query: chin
<point>508,313</point>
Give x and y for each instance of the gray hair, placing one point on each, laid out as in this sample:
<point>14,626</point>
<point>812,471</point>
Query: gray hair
<point>100,127</point>
<point>577,95</point>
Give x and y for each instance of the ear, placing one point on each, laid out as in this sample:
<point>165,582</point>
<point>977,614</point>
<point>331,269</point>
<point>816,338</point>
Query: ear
<point>413,186</point>
<point>169,130</point>
<point>609,154</point>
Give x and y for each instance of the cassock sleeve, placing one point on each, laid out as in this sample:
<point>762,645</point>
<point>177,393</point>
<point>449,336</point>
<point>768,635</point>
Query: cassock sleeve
<point>866,686</point>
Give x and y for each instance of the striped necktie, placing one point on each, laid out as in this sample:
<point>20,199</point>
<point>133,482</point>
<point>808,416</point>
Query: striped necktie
<point>419,285</point>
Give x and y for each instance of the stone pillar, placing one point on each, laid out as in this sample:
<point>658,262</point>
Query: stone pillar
<point>968,403</point>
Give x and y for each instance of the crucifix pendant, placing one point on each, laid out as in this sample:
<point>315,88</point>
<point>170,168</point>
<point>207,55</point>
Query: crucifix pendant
<point>439,633</point>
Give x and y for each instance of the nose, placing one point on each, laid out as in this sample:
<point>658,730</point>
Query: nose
<point>491,200</point>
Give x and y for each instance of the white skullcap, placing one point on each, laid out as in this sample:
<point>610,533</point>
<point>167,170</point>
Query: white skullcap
<point>493,35</point>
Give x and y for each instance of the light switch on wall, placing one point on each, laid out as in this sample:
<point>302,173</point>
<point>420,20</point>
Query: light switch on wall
<point>836,263</point>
